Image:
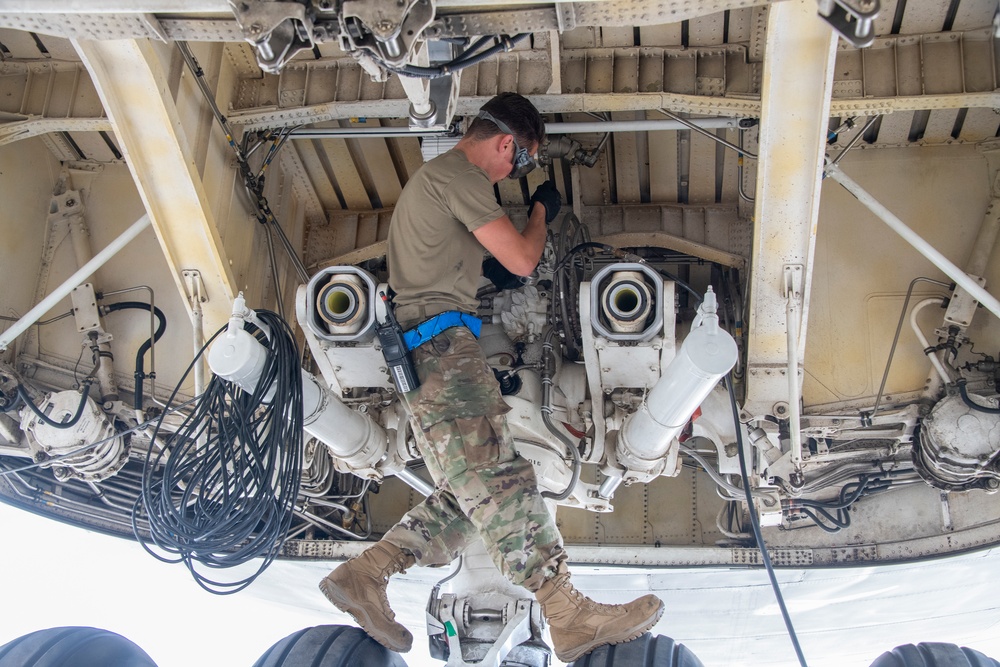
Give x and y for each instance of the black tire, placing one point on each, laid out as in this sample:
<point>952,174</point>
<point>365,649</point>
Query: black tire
<point>329,646</point>
<point>73,647</point>
<point>933,654</point>
<point>643,651</point>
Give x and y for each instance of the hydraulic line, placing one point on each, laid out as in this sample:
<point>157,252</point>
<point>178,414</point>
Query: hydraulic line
<point>84,389</point>
<point>972,404</point>
<point>855,139</point>
<point>97,443</point>
<point>895,338</point>
<point>926,346</point>
<point>547,418</point>
<point>140,374</point>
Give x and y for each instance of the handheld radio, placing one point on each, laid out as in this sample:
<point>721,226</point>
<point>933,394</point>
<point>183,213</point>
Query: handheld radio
<point>397,355</point>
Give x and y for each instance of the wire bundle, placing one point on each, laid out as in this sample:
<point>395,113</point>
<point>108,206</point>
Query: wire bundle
<point>222,490</point>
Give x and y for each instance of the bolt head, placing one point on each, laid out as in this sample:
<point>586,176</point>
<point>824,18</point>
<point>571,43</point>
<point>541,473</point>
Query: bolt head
<point>256,29</point>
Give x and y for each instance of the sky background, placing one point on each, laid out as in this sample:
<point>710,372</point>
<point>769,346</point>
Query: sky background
<point>57,575</point>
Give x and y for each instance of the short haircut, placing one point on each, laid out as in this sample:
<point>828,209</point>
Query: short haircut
<point>517,113</point>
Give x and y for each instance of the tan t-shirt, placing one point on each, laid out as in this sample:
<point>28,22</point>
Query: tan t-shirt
<point>434,259</point>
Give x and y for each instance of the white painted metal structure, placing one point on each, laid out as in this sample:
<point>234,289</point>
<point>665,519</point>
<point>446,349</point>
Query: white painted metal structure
<point>96,99</point>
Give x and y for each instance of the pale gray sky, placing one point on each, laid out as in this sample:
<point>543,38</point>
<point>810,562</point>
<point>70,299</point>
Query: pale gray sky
<point>57,575</point>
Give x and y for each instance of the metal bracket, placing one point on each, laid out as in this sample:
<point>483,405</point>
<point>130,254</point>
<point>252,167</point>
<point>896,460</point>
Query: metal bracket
<point>791,287</point>
<point>516,631</point>
<point>395,27</point>
<point>852,19</point>
<point>276,30</point>
<point>962,305</point>
<point>194,288</point>
<point>85,308</point>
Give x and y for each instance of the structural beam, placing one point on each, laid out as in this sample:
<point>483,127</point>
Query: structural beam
<point>133,86</point>
<point>795,106</point>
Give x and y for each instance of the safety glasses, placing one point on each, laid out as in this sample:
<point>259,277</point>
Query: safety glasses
<point>523,163</point>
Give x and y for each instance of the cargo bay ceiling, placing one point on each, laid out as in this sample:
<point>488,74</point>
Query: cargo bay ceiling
<point>104,81</point>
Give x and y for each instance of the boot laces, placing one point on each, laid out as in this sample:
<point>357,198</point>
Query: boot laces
<point>562,582</point>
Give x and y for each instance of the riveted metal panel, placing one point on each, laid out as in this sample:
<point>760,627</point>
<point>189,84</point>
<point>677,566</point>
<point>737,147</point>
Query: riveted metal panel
<point>344,174</point>
<point>662,165</point>
<point>308,151</point>
<point>923,16</point>
<point>942,64</point>
<point>940,125</point>
<point>702,170</point>
<point>979,70</point>
<point>626,163</point>
<point>894,128</point>
<point>707,30</point>
<point>980,124</point>
<point>974,14</point>
<point>626,70</point>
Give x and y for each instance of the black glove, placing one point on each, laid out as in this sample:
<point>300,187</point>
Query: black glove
<point>547,195</point>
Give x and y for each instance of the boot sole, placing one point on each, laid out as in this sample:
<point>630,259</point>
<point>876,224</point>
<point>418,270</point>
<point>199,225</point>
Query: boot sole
<point>623,637</point>
<point>358,613</point>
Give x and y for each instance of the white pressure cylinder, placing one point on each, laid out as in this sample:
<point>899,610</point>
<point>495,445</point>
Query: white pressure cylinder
<point>352,437</point>
<point>708,353</point>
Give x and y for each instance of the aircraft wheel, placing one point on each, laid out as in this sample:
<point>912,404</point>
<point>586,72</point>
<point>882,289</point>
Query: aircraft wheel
<point>71,647</point>
<point>933,654</point>
<point>646,650</point>
<point>331,646</point>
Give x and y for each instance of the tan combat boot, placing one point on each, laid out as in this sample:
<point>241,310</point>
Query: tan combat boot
<point>579,625</point>
<point>358,588</point>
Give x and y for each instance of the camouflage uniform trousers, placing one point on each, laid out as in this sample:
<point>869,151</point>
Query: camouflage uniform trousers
<point>484,489</point>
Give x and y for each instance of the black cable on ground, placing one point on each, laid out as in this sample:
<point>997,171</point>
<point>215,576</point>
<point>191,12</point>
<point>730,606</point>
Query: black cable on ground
<point>222,491</point>
<point>755,525</point>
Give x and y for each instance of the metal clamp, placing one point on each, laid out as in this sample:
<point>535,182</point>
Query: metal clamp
<point>852,19</point>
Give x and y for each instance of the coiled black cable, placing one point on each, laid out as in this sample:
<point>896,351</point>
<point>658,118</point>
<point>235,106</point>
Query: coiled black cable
<point>222,490</point>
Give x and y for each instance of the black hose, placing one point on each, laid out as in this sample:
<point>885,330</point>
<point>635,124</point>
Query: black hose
<point>547,418</point>
<point>972,404</point>
<point>140,374</point>
<point>755,524</point>
<point>460,62</point>
<point>84,388</point>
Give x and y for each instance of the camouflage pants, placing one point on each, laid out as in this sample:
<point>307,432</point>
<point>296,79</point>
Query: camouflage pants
<point>484,489</point>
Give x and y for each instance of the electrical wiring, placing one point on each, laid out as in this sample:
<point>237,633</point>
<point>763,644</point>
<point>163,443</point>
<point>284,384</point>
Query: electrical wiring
<point>755,525</point>
<point>467,58</point>
<point>96,443</point>
<point>815,509</point>
<point>222,491</point>
<point>22,392</point>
